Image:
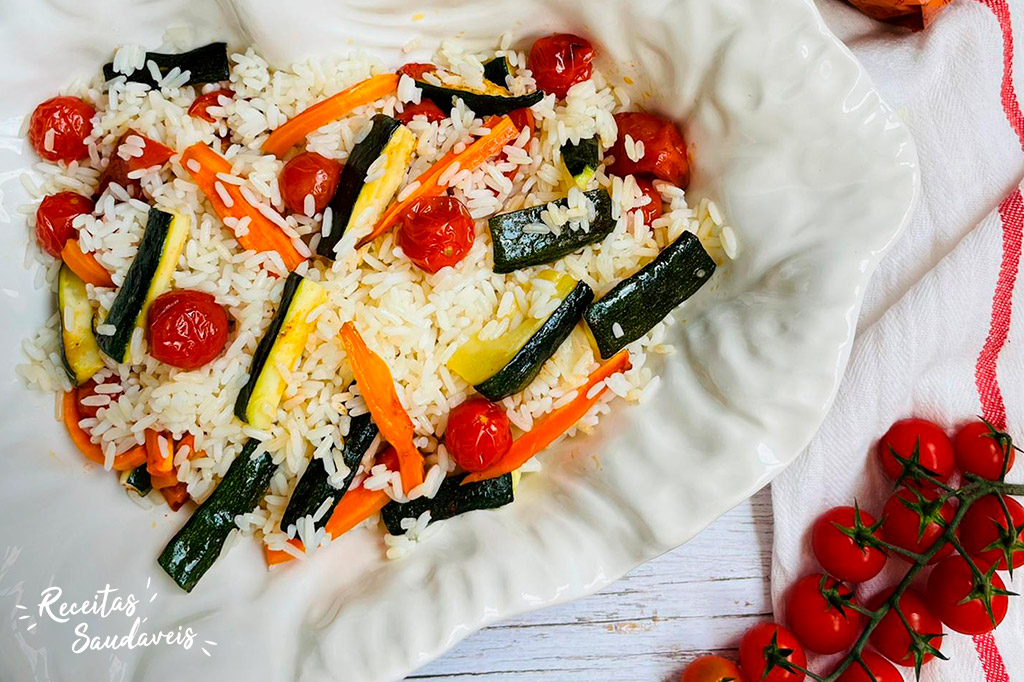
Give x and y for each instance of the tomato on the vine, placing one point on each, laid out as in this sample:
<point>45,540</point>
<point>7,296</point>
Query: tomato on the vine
<point>187,328</point>
<point>840,540</point>
<point>916,441</point>
<point>983,450</point>
<point>712,669</point>
<point>819,614</point>
<point>478,434</point>
<point>966,603</point>
<point>987,536</point>
<point>309,174</point>
<point>55,217</point>
<point>766,652</point>
<point>436,232</point>
<point>881,670</point>
<point>916,519</point>
<point>560,61</point>
<point>894,641</point>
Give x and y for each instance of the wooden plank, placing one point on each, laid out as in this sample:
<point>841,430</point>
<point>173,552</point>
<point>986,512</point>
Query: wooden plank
<point>647,626</point>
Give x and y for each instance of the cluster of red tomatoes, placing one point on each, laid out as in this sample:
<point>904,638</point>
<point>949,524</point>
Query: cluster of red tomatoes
<point>963,592</point>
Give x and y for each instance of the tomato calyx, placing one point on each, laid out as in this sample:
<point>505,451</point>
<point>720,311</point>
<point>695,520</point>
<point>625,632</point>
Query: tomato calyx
<point>921,647</point>
<point>777,656</point>
<point>838,595</point>
<point>1009,538</point>
<point>985,590</point>
<point>912,470</point>
<point>861,533</point>
<point>928,511</point>
<point>1005,443</point>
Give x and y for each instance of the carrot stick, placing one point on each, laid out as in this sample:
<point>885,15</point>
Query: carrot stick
<point>176,495</point>
<point>378,389</point>
<point>355,506</point>
<point>85,265</point>
<point>157,464</point>
<point>123,462</point>
<point>472,157</point>
<point>554,424</point>
<point>331,109</point>
<point>264,234</point>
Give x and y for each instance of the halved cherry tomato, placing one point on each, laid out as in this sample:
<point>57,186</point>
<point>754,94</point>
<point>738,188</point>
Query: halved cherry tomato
<point>839,539</point>
<point>478,434</point>
<point>415,70</point>
<point>664,148</point>
<point>881,670</point>
<point>522,118</point>
<point>765,651</point>
<point>425,108</point>
<point>891,637</point>
<point>962,601</point>
<point>655,207</point>
<point>202,103</point>
<point>436,232</point>
<point>560,61</point>
<point>309,173</point>
<point>712,669</point>
<point>818,615</point>
<point>918,440</point>
<point>153,154</point>
<point>986,535</point>
<point>187,328</point>
<point>54,219</point>
<point>982,450</point>
<point>87,390</point>
<point>69,119</point>
<point>915,520</point>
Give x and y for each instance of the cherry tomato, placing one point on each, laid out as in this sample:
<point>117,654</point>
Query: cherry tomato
<point>309,173</point>
<point>522,118</point>
<point>87,390</point>
<point>388,457</point>
<point>712,669</point>
<point>818,616</point>
<point>654,208</point>
<point>54,219</point>
<point>415,70</point>
<point>70,120</point>
<point>839,540</point>
<point>762,650</point>
<point>478,434</point>
<point>915,520</point>
<point>982,450</point>
<point>664,148</point>
<point>200,105</point>
<point>560,61</point>
<point>153,154</point>
<point>961,600</point>
<point>436,232</point>
<point>891,637</point>
<point>917,439</point>
<point>881,670</point>
<point>425,108</point>
<point>986,535</point>
<point>187,328</point>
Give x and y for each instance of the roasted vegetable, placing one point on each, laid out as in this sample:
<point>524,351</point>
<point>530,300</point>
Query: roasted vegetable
<point>206,64</point>
<point>581,160</point>
<point>493,99</point>
<point>452,499</point>
<point>138,480</point>
<point>497,70</point>
<point>78,343</point>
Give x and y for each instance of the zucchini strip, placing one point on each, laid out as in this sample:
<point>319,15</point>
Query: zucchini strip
<point>206,64</point>
<point>643,299</point>
<point>78,346</point>
<point>452,499</point>
<point>497,70</point>
<point>581,160</point>
<point>137,480</point>
<point>494,100</point>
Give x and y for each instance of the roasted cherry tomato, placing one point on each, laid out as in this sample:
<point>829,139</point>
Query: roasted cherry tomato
<point>891,637</point>
<point>201,104</point>
<point>839,540</point>
<point>986,535</point>
<point>818,613</point>
<point>982,450</point>
<point>664,148</point>
<point>712,669</point>
<point>415,70</point>
<point>69,119</point>
<point>307,174</point>
<point>187,328</point>
<point>478,434</point>
<point>881,670</point>
<point>87,390</point>
<point>425,108</point>
<point>654,207</point>
<point>436,232</point>
<point>919,440</point>
<point>522,118</point>
<point>915,520</point>
<point>560,61</point>
<point>153,153</point>
<point>54,219</point>
<point>389,458</point>
<point>962,601</point>
<point>765,650</point>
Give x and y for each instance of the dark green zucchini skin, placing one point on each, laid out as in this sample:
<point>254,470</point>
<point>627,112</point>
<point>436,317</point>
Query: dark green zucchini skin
<point>206,64</point>
<point>353,178</point>
<point>643,299</point>
<point>259,358</point>
<point>139,480</point>
<point>515,249</point>
<point>132,294</point>
<point>313,488</point>
<point>581,158</point>
<point>452,499</point>
<point>525,365</point>
<point>497,70</point>
<point>191,553</point>
<point>481,104</point>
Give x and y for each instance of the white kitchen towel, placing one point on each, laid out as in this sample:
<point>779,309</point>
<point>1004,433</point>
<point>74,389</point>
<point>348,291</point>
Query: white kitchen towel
<point>941,334</point>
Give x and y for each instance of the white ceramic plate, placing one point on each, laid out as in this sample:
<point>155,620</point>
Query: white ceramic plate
<point>815,174</point>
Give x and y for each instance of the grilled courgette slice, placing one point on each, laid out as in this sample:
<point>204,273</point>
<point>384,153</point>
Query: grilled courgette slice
<point>497,70</point>
<point>78,343</point>
<point>515,247</point>
<point>278,351</point>
<point>206,64</point>
<point>138,480</point>
<point>148,276</point>
<point>452,499</point>
<point>643,299</point>
<point>581,160</point>
<point>491,100</point>
<point>358,203</point>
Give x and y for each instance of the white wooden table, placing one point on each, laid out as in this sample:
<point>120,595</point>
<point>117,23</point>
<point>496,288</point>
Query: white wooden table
<point>644,628</point>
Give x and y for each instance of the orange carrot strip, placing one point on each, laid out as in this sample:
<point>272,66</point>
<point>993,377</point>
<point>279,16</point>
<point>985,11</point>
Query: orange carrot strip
<point>176,495</point>
<point>188,440</point>
<point>378,389</point>
<point>157,464</point>
<point>264,234</point>
<point>93,452</point>
<point>85,265</point>
<point>472,157</point>
<point>554,424</point>
<point>331,109</point>
<point>161,481</point>
<point>355,506</point>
